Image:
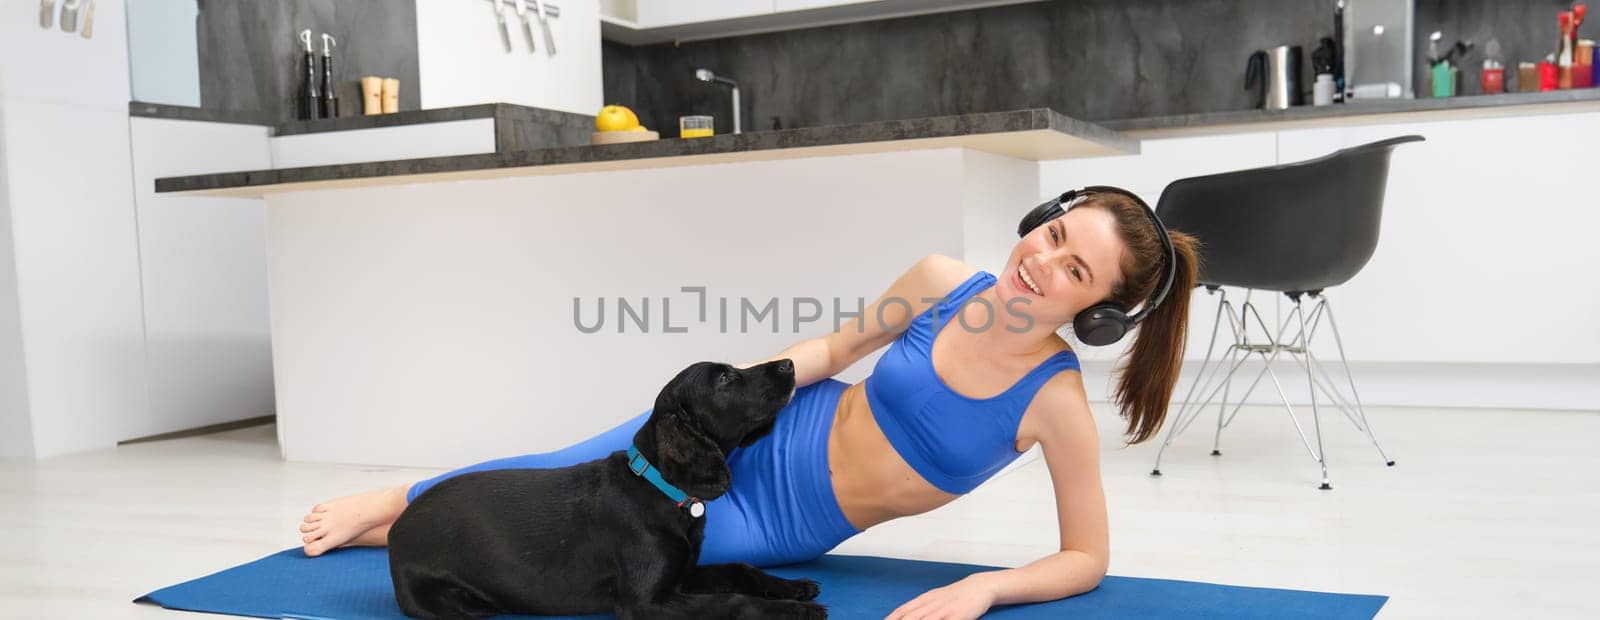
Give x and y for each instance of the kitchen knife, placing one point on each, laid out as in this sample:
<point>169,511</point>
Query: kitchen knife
<point>544,24</point>
<point>88,22</point>
<point>47,14</point>
<point>500,16</point>
<point>527,27</point>
<point>69,15</point>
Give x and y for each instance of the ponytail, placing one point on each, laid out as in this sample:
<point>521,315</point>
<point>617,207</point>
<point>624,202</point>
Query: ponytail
<point>1148,376</point>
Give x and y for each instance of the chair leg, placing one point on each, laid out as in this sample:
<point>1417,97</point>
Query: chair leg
<point>1326,382</point>
<point>1174,428</point>
<point>1350,406</point>
<point>1282,340</point>
<point>1237,321</point>
<point>1269,353</point>
<point>1277,349</point>
<point>1311,383</point>
<point>1213,379</point>
<point>1222,407</point>
<point>1241,337</point>
<point>1365,426</point>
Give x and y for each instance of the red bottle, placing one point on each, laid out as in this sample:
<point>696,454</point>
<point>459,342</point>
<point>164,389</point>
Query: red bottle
<point>1493,78</point>
<point>1549,75</point>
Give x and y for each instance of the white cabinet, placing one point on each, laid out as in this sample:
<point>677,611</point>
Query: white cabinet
<point>645,22</point>
<point>461,59</point>
<point>658,13</point>
<point>801,5</point>
<point>465,137</point>
<point>202,263</point>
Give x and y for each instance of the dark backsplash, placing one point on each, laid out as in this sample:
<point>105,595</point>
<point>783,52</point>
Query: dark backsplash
<point>250,52</point>
<point>1090,59</point>
<point>1526,29</point>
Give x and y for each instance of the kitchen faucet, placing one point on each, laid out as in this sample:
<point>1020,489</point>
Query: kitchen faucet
<point>705,75</point>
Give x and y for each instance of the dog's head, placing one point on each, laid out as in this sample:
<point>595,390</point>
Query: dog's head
<point>705,412</point>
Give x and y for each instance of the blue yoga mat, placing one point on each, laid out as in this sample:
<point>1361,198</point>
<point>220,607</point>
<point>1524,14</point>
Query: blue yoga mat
<point>353,584</point>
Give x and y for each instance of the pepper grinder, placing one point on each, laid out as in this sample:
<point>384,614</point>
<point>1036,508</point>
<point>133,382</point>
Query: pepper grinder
<point>1339,93</point>
<point>330,98</point>
<point>308,90</point>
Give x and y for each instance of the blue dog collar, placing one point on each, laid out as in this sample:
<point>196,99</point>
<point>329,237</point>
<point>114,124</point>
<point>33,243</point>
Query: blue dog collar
<point>642,468</point>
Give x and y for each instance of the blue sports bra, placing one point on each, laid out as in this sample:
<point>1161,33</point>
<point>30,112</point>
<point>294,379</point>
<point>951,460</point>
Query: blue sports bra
<point>954,442</point>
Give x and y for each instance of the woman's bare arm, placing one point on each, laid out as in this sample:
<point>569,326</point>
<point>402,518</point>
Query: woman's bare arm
<point>818,358</point>
<point>812,361</point>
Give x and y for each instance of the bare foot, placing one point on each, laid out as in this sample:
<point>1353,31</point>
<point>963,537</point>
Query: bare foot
<point>349,520</point>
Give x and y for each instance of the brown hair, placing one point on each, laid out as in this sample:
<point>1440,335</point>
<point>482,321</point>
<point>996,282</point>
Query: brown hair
<point>1150,370</point>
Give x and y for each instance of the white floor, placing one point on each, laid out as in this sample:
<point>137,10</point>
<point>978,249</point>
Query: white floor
<point>1489,514</point>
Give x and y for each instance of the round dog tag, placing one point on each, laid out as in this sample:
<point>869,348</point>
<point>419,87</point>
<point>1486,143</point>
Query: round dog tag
<point>697,510</point>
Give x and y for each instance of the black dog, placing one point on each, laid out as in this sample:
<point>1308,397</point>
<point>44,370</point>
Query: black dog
<point>597,537</point>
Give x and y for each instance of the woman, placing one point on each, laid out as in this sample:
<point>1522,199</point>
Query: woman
<point>944,410</point>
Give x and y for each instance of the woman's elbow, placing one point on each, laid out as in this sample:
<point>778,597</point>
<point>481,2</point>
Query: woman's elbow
<point>1098,566</point>
<point>1102,566</point>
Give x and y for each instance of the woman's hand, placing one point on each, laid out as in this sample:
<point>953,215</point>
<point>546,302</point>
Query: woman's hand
<point>963,600</point>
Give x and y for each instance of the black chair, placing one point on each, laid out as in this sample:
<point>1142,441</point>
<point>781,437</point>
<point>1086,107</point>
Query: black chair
<point>1296,229</point>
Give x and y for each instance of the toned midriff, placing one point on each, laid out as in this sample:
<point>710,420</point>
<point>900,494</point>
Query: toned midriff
<point>872,482</point>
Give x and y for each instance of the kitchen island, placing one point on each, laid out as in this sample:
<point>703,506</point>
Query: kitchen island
<point>440,311</point>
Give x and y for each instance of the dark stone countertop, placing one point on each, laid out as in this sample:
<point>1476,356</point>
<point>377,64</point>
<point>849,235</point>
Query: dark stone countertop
<point>499,111</point>
<point>1116,136</point>
<point>143,109</point>
<point>1059,133</point>
<point>1260,120</point>
<point>1136,126</point>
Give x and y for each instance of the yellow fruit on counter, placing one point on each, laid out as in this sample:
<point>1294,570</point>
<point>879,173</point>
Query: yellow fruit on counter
<point>615,118</point>
<point>639,128</point>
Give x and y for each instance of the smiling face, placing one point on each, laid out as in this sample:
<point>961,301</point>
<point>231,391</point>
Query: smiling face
<point>1064,266</point>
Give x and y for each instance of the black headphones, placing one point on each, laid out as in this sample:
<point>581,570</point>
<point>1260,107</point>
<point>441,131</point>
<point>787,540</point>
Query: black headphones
<point>1105,323</point>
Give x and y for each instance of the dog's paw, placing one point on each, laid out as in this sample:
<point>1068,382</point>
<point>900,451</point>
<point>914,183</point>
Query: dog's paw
<point>803,590</point>
<point>796,610</point>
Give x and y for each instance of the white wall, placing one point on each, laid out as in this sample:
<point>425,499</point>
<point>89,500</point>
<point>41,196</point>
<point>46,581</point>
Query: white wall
<point>204,272</point>
<point>72,230</point>
<point>461,59</point>
<point>996,192</point>
<point>163,53</point>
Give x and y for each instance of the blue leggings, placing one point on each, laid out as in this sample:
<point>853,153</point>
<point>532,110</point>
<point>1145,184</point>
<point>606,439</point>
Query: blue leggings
<point>781,508</point>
